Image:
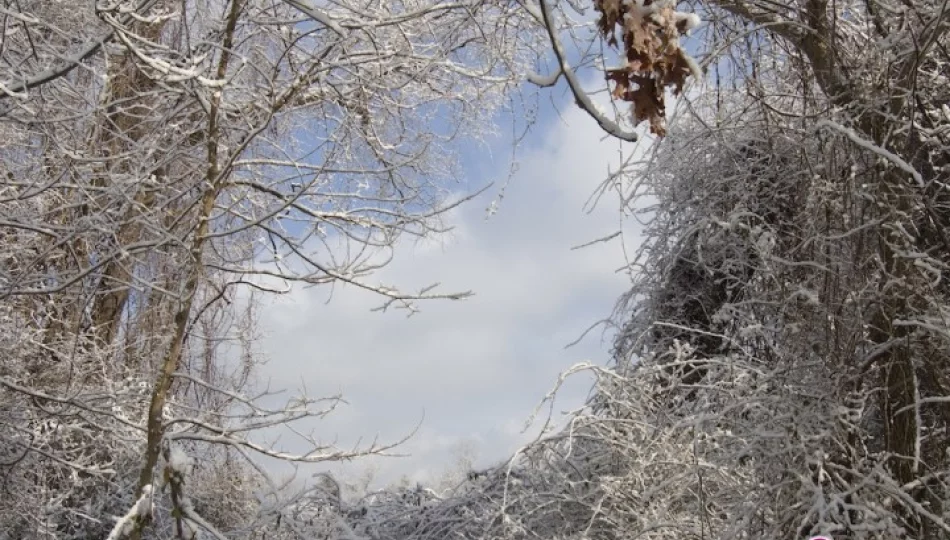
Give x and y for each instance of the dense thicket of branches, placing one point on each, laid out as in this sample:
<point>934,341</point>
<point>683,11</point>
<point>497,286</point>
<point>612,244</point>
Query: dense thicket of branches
<point>782,369</point>
<point>792,303</point>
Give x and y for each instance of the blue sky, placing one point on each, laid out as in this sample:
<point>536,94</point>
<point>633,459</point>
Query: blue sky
<point>472,371</point>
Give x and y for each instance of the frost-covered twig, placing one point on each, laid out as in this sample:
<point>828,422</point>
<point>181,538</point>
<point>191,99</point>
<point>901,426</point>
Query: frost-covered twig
<point>891,157</point>
<point>581,97</point>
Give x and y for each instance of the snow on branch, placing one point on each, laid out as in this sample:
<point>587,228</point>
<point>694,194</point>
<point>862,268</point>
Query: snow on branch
<point>317,15</point>
<point>870,146</point>
<point>140,511</point>
<point>580,96</point>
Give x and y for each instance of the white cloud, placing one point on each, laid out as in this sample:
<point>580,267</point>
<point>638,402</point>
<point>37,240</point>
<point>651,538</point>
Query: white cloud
<point>477,368</point>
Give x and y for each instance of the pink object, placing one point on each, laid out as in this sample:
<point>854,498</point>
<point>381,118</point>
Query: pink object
<point>819,538</point>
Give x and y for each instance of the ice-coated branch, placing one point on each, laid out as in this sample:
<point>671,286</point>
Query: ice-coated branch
<point>317,14</point>
<point>580,96</point>
<point>891,157</point>
<point>545,81</point>
<point>140,512</point>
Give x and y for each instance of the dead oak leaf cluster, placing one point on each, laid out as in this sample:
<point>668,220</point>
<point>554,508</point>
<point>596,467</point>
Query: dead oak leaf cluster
<point>650,31</point>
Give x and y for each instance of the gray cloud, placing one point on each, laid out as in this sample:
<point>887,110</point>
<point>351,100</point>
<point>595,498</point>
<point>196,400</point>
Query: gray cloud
<point>476,368</point>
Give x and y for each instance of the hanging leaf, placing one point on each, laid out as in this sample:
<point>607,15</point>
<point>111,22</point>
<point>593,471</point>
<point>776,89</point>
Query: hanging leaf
<point>651,30</point>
